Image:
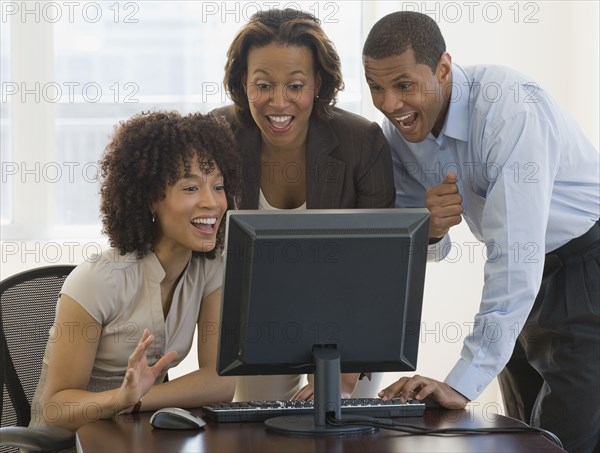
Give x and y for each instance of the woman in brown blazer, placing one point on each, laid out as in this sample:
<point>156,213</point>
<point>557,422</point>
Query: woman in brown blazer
<point>299,151</point>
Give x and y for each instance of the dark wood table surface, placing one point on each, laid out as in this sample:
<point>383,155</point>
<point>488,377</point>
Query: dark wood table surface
<point>133,433</point>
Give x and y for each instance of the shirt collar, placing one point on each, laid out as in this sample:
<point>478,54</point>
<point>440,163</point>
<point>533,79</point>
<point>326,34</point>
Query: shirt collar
<point>153,268</point>
<point>457,120</point>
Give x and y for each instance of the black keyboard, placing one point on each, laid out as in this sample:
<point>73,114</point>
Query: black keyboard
<point>258,411</point>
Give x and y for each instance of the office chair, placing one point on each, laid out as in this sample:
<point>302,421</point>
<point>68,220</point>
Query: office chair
<point>27,305</point>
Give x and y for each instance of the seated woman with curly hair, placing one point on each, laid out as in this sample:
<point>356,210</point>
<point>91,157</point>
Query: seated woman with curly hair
<point>127,315</point>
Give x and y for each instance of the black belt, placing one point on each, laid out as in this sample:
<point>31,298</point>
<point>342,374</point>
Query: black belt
<point>556,258</point>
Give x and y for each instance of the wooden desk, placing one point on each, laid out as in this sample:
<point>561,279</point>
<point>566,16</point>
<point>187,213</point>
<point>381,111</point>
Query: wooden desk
<point>133,433</point>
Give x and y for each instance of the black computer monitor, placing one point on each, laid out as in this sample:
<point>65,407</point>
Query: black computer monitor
<point>324,292</point>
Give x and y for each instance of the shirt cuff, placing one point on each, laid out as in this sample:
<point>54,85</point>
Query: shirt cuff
<point>466,379</point>
<point>438,251</point>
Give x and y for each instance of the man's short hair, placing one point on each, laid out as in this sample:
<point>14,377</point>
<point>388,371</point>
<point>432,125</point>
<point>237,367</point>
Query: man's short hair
<point>397,32</point>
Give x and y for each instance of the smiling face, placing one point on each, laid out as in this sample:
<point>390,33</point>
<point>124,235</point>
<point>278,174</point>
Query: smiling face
<point>281,85</point>
<point>410,95</point>
<point>190,214</point>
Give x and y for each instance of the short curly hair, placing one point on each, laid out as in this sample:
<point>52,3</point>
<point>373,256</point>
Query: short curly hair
<point>147,153</point>
<point>397,32</point>
<point>288,27</point>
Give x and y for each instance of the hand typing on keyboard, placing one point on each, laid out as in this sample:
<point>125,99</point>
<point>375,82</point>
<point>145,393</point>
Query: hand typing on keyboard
<point>436,393</point>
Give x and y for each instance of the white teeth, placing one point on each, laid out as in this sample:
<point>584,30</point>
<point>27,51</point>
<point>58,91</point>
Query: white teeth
<point>280,119</point>
<point>402,118</point>
<point>210,221</point>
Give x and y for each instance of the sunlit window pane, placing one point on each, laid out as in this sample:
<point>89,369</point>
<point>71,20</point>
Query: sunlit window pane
<point>140,56</point>
<point>5,125</point>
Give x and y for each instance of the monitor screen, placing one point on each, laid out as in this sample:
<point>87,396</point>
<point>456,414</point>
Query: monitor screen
<point>300,281</point>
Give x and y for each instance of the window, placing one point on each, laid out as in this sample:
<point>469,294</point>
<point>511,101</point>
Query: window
<point>107,61</point>
<point>5,124</point>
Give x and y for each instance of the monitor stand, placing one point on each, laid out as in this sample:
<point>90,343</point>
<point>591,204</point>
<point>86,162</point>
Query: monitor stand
<point>327,401</point>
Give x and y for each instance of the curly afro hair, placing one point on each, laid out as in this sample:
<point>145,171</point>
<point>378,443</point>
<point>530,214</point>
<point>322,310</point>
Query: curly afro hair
<point>149,152</point>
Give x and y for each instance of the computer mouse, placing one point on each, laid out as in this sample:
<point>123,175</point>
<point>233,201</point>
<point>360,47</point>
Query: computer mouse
<point>176,418</point>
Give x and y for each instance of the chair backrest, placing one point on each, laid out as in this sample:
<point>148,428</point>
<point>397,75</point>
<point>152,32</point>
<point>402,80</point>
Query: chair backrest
<point>28,302</point>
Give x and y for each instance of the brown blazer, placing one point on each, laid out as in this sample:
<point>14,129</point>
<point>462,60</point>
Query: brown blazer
<point>348,162</point>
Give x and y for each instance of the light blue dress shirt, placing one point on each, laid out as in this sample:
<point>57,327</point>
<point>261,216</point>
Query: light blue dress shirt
<point>530,182</point>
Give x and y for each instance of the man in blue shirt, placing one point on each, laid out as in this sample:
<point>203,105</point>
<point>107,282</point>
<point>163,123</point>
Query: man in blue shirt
<point>487,144</point>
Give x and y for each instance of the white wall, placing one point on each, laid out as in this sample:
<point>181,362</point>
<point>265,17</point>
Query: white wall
<point>560,51</point>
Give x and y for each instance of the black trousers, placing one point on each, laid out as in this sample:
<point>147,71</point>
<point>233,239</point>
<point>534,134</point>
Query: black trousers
<point>552,380</point>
